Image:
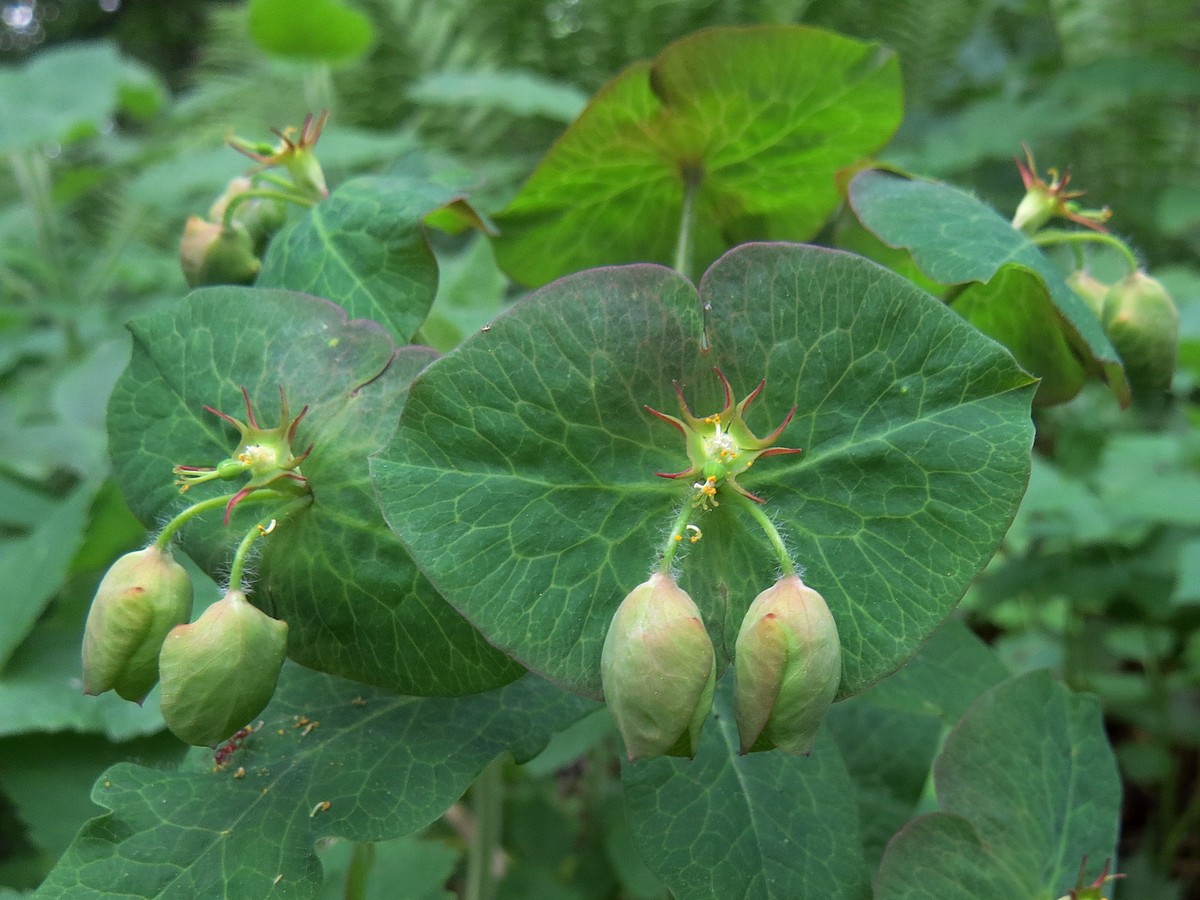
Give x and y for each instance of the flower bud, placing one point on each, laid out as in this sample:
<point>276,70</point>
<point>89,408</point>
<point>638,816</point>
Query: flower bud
<point>213,254</point>
<point>1143,325</point>
<point>142,597</point>
<point>787,667</point>
<point>220,672</point>
<point>658,669</point>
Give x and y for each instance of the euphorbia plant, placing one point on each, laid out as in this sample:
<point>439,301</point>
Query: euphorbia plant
<point>465,518</point>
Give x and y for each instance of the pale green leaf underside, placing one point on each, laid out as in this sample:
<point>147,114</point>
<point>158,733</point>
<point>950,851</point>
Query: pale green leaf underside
<point>522,475</point>
<point>955,239</point>
<point>364,247</point>
<point>354,602</point>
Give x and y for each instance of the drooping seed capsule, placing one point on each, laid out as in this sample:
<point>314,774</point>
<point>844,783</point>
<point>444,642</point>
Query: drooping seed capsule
<point>220,672</point>
<point>140,599</point>
<point>658,669</point>
<point>787,668</point>
<point>210,253</point>
<point>1143,324</point>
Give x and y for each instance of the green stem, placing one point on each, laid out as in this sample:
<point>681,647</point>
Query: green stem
<point>675,537</point>
<point>361,863</point>
<point>264,194</point>
<point>318,87</point>
<point>687,221</point>
<point>262,527</point>
<point>168,532</point>
<point>1049,238</point>
<point>487,802</point>
<point>32,175</point>
<point>772,533</point>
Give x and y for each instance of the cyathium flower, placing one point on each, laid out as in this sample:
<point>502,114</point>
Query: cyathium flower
<point>1043,201</point>
<point>265,454</point>
<point>721,446</point>
<point>294,153</point>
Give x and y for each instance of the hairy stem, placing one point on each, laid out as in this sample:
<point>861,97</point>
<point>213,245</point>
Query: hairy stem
<point>675,537</point>
<point>772,533</point>
<point>260,528</point>
<point>264,194</point>
<point>361,863</point>
<point>168,532</point>
<point>1074,238</point>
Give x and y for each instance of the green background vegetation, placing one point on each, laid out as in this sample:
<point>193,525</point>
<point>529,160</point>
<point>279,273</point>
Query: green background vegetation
<point>112,125</point>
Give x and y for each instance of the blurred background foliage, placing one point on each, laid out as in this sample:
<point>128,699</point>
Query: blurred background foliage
<point>112,121</point>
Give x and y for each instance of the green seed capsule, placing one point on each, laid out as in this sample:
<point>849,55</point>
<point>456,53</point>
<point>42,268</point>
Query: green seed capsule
<point>658,669</point>
<point>213,254</point>
<point>787,668</point>
<point>140,599</point>
<point>220,672</point>
<point>1143,324</point>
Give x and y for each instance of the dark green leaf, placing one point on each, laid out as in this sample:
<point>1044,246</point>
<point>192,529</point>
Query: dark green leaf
<point>355,603</point>
<point>889,735</point>
<point>49,778</point>
<point>953,668</point>
<point>1028,787</point>
<point>957,239</point>
<point>385,765</point>
<point>761,118</point>
<point>762,826</point>
<point>888,754</point>
<point>521,477</point>
<point>326,30</point>
<point>365,249</point>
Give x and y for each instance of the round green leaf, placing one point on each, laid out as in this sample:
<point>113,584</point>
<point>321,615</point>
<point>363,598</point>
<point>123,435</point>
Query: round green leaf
<point>355,604</point>
<point>330,758</point>
<point>310,29</point>
<point>522,475</point>
<point>365,248</point>
<point>761,118</point>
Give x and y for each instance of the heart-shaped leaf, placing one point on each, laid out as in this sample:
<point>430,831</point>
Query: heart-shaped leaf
<point>955,238</point>
<point>365,248</point>
<point>522,475</point>
<point>766,825</point>
<point>354,602</point>
<point>1028,788</point>
<point>757,120</point>
<point>330,757</point>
